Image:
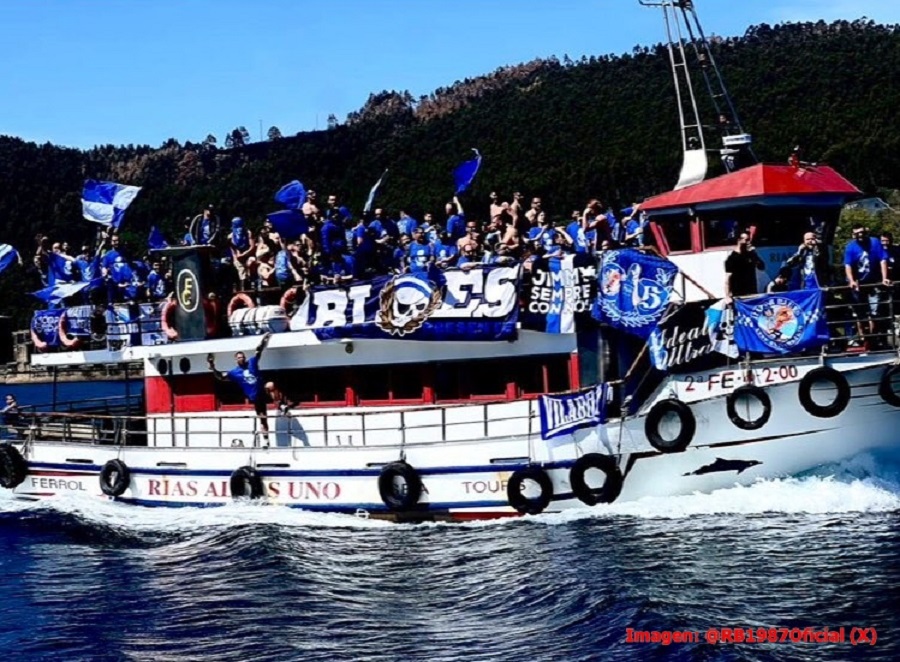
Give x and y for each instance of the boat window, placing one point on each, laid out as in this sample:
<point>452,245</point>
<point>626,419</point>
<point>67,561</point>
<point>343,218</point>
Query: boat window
<point>529,376</point>
<point>718,232</point>
<point>558,373</point>
<point>448,384</point>
<point>370,383</point>
<point>406,382</point>
<point>678,233</point>
<point>487,378</point>
<point>315,386</point>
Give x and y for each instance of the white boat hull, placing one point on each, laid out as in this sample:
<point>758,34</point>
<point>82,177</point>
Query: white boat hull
<point>464,479</point>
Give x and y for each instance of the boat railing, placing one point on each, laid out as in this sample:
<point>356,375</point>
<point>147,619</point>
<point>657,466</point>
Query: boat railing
<point>297,428</point>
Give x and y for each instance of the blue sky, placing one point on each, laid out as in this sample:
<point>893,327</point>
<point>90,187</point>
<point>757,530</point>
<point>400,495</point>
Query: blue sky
<point>86,72</point>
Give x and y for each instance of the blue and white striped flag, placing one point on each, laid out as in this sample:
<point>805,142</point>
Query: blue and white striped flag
<point>371,199</point>
<point>106,202</point>
<point>8,256</point>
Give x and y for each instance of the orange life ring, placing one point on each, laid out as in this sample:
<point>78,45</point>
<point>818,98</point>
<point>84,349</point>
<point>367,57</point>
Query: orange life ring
<point>289,298</point>
<point>238,301</point>
<point>39,344</point>
<point>72,343</point>
<point>210,313</point>
<point>167,322</point>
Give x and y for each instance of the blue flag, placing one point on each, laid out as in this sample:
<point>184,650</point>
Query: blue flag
<point>156,240</point>
<point>289,223</point>
<point>106,202</point>
<point>634,289</point>
<point>291,195</point>
<point>781,323</point>
<point>59,269</point>
<point>8,256</point>
<point>464,174</point>
<point>56,293</point>
<point>371,199</point>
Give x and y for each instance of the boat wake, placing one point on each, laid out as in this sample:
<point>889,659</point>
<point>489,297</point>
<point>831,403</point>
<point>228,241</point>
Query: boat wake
<point>867,483</point>
<point>864,484</point>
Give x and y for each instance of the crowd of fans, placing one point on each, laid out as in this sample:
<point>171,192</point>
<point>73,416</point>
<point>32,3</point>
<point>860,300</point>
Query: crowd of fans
<point>340,247</point>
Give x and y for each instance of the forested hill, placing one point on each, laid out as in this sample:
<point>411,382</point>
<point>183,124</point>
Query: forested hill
<point>564,130</point>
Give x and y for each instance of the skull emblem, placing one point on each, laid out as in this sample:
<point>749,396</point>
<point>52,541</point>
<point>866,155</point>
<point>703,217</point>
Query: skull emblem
<point>412,297</point>
<point>405,304</point>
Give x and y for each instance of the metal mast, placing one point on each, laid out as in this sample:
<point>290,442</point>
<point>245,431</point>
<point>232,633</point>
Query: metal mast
<point>736,151</point>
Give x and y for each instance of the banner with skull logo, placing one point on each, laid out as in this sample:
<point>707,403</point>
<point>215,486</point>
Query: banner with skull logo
<point>477,304</point>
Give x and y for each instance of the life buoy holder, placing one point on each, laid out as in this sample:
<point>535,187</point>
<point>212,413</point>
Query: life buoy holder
<point>289,298</point>
<point>70,343</point>
<point>886,387</point>
<point>210,314</point>
<point>246,483</point>
<point>115,478</point>
<point>612,486</point>
<point>522,503</point>
<point>749,391</point>
<point>13,467</point>
<point>685,417</point>
<point>238,301</point>
<point>408,497</point>
<point>824,374</point>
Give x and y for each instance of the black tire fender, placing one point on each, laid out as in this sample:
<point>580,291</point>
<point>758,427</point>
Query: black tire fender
<point>246,483</point>
<point>115,478</point>
<point>752,391</point>
<point>522,503</point>
<point>654,418</point>
<point>827,374</point>
<point>886,388</point>
<point>13,467</point>
<point>612,487</point>
<point>410,496</point>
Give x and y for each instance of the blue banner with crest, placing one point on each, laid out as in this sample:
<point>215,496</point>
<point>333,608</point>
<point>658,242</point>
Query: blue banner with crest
<point>782,323</point>
<point>478,304</point>
<point>633,290</point>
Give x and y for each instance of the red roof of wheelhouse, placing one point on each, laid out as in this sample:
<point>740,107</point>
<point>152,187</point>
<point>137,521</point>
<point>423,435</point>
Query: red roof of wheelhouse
<point>757,184</point>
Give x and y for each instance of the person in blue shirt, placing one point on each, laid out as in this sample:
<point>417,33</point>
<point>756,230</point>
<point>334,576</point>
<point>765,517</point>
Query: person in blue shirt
<point>421,254</point>
<point>456,219</point>
<point>246,375</point>
<point>865,265</point>
<point>157,284</point>
<point>445,252</point>
<point>406,224</point>
<point>812,260</point>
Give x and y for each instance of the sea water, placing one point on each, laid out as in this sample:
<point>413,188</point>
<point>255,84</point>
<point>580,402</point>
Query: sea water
<point>85,579</point>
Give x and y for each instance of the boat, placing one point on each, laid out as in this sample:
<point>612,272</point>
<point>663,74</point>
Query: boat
<point>492,392</point>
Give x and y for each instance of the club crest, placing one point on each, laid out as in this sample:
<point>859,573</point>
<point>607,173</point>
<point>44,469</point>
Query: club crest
<point>779,322</point>
<point>406,302</point>
<point>636,296</point>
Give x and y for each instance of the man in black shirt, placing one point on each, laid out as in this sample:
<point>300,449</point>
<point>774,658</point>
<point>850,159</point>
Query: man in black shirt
<point>740,268</point>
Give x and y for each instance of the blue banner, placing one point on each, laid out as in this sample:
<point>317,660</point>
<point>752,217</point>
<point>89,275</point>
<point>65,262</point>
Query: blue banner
<point>106,202</point>
<point>479,304</point>
<point>45,327</point>
<point>634,289</point>
<point>781,323</point>
<point>561,290</point>
<point>563,414</point>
